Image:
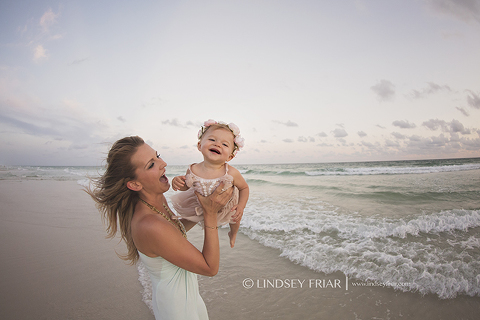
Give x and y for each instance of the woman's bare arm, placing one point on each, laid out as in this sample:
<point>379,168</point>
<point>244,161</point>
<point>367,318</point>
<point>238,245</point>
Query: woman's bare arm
<point>158,237</point>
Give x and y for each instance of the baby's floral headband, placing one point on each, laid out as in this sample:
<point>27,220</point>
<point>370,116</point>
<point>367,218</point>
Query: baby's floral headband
<point>238,140</point>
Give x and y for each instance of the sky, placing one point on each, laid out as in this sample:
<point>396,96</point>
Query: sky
<point>306,81</point>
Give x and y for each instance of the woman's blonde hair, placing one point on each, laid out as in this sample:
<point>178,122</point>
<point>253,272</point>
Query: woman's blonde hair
<point>113,199</point>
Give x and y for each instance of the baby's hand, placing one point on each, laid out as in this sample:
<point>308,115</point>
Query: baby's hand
<point>237,216</point>
<point>178,183</point>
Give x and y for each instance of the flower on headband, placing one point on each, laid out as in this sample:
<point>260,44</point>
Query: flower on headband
<point>234,129</point>
<point>239,141</point>
<point>209,122</point>
<point>206,124</point>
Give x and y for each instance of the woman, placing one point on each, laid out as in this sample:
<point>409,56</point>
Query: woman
<point>131,191</point>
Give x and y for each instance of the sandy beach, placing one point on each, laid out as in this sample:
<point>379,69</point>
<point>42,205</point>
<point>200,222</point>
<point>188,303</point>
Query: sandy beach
<point>57,264</point>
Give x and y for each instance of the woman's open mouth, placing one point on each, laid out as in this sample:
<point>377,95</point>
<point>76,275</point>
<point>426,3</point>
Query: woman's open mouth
<point>164,179</point>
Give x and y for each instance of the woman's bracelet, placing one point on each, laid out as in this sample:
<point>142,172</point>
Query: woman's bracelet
<point>211,227</point>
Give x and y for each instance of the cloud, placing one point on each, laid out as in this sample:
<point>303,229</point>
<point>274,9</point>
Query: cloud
<point>434,124</point>
<point>48,19</point>
<point>28,127</point>
<point>288,123</point>
<point>471,144</point>
<point>339,133</point>
<point>173,122</point>
<point>431,89</point>
<point>79,61</point>
<point>361,134</point>
<point>322,134</point>
<point>457,126</point>
<point>404,124</point>
<point>473,100</point>
<point>439,141</point>
<point>306,139</point>
<point>398,135</point>
<point>67,124</point>
<point>454,126</point>
<point>452,139</point>
<point>39,53</point>
<point>368,145</point>
<point>176,123</point>
<point>465,10</point>
<point>465,113</point>
<point>324,144</point>
<point>385,90</point>
<point>392,144</point>
<point>437,145</point>
<point>56,37</point>
<point>121,119</point>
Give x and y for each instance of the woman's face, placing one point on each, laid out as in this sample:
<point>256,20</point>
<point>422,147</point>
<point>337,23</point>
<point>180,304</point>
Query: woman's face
<point>150,170</point>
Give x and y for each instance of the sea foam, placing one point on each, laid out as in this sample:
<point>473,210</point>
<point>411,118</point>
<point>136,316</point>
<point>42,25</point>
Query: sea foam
<point>408,254</point>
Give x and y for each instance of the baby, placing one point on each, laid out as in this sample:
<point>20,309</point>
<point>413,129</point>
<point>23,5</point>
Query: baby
<point>219,143</point>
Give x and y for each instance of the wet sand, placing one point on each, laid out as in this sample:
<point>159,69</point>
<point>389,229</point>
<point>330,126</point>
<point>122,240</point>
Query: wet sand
<point>56,262</point>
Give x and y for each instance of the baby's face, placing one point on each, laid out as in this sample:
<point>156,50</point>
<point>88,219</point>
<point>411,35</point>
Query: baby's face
<point>217,145</point>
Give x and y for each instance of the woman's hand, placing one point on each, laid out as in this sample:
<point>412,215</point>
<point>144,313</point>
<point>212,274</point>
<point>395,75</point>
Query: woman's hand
<point>216,201</point>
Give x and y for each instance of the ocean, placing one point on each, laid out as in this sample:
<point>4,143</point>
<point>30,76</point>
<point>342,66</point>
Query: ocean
<point>410,225</point>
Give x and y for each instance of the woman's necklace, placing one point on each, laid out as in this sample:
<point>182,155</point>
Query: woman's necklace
<point>177,223</point>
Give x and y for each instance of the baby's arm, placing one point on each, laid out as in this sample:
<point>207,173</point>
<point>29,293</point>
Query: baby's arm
<point>241,184</point>
<point>178,183</point>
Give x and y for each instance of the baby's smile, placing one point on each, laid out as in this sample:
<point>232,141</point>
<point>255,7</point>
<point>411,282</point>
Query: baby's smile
<point>214,151</point>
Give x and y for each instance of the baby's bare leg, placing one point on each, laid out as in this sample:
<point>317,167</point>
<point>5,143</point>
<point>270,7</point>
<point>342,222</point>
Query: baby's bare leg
<point>233,233</point>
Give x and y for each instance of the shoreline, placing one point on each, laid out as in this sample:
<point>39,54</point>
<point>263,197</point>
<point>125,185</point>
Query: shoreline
<point>57,264</point>
<point>227,294</point>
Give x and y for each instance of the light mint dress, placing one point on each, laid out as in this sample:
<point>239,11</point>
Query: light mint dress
<point>175,294</point>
